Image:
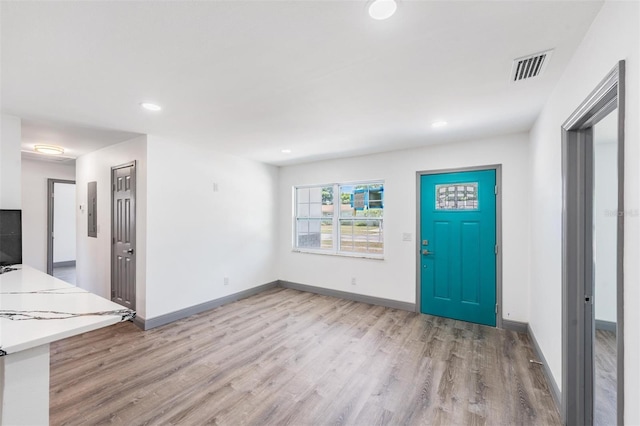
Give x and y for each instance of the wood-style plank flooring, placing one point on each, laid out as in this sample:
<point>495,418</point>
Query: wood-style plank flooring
<point>290,357</point>
<point>605,404</point>
<point>65,273</point>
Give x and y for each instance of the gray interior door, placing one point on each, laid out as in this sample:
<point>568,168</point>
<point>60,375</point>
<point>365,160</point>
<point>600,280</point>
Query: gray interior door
<point>123,256</point>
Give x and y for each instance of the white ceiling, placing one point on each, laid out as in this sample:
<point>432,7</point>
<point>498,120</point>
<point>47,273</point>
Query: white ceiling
<point>77,140</point>
<point>254,77</point>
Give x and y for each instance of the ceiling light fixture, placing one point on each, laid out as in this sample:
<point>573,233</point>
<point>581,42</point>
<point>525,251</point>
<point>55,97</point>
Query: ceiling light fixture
<point>382,9</point>
<point>286,151</point>
<point>49,149</point>
<point>437,124</point>
<point>151,107</point>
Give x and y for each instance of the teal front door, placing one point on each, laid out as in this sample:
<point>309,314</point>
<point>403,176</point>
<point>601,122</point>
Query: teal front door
<point>458,246</point>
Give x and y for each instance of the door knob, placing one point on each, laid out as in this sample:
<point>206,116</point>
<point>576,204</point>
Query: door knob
<point>426,252</point>
<point>130,251</point>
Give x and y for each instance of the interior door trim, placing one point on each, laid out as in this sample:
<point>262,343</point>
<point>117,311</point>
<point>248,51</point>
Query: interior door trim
<point>498,170</point>
<point>50,219</point>
<point>577,259</point>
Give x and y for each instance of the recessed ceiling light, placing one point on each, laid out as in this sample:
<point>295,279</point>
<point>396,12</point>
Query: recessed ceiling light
<point>150,106</point>
<point>286,151</point>
<point>49,149</point>
<point>437,124</point>
<point>382,9</point>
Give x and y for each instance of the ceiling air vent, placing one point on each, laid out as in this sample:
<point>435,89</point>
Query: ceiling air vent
<point>530,66</point>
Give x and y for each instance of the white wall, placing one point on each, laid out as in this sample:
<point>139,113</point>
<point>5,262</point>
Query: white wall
<point>197,236</point>
<point>395,277</point>
<point>34,208</point>
<point>64,222</point>
<point>605,227</point>
<point>11,134</point>
<point>93,263</point>
<point>613,36</point>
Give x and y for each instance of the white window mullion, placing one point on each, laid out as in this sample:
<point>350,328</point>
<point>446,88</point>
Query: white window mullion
<point>337,207</point>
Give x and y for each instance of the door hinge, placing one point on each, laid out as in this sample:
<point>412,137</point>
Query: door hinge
<point>52,236</point>
<point>495,189</point>
<point>497,308</point>
<point>495,249</point>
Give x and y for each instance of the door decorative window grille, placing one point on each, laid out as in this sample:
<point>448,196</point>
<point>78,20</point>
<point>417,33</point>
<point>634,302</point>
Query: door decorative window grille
<point>457,196</point>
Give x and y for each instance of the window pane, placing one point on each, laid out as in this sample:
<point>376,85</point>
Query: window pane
<point>303,210</point>
<point>314,202</point>
<point>326,237</point>
<point>315,194</point>
<point>302,195</point>
<point>315,209</point>
<point>327,201</point>
<point>361,236</point>
<point>308,233</point>
<point>314,226</point>
<point>303,227</point>
<point>457,196</point>
<point>346,235</point>
<point>362,200</point>
<point>346,201</point>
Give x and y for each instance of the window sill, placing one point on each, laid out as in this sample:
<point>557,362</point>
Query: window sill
<point>341,254</point>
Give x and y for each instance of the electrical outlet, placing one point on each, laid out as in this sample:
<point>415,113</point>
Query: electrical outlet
<point>353,280</point>
<point>226,280</point>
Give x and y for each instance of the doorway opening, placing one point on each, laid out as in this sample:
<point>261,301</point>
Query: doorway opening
<point>61,229</point>
<point>592,256</point>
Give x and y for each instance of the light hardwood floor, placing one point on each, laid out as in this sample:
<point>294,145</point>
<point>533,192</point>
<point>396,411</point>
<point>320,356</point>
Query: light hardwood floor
<point>65,273</point>
<point>289,357</point>
<point>605,410</point>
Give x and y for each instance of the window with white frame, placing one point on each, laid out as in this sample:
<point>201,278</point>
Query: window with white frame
<point>340,218</point>
<point>314,217</point>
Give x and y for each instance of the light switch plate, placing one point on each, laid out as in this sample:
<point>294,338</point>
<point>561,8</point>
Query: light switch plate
<point>407,236</point>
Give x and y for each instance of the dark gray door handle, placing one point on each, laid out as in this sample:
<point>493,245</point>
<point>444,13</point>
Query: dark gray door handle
<point>130,251</point>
